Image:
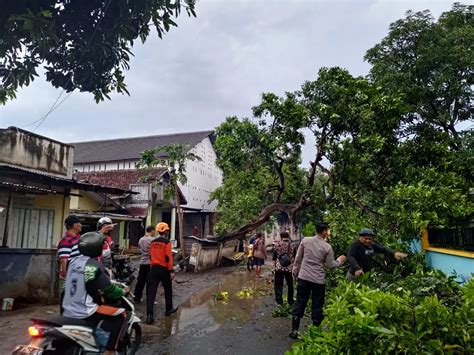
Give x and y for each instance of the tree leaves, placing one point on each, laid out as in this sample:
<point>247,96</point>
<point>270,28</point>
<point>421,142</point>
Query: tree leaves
<point>83,44</point>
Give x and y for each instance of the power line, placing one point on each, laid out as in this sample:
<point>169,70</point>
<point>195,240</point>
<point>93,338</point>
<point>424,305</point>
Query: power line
<point>53,107</point>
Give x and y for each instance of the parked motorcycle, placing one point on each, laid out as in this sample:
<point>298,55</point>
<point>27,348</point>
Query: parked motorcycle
<point>63,335</point>
<point>123,270</point>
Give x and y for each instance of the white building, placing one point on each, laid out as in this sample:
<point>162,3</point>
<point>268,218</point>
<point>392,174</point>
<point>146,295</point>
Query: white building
<point>92,159</point>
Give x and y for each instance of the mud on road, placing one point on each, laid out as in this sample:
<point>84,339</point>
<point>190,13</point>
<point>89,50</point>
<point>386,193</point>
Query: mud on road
<point>202,324</point>
<point>241,324</point>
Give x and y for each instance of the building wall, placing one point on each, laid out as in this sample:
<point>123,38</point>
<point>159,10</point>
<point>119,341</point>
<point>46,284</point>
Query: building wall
<point>60,205</point>
<point>28,275</point>
<point>113,165</point>
<point>203,177</point>
<point>449,261</point>
<point>462,266</point>
<point>28,150</point>
<point>83,203</point>
<point>38,217</point>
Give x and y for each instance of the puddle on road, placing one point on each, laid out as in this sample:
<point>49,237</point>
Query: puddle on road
<point>202,314</point>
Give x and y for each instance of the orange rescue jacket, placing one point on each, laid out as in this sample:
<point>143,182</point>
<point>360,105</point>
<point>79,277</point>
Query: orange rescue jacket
<point>160,253</point>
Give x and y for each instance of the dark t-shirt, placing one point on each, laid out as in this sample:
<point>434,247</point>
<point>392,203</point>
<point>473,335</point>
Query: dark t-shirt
<point>360,256</point>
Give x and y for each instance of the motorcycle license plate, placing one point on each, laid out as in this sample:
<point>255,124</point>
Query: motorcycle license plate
<point>27,350</point>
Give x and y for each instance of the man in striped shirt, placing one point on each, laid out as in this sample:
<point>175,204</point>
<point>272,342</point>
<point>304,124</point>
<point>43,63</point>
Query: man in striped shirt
<point>67,247</point>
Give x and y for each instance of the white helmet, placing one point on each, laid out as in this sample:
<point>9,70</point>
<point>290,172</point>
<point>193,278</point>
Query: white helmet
<point>103,221</point>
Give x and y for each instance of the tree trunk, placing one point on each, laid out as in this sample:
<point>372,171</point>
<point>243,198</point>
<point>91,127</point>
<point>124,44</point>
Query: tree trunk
<point>179,211</point>
<point>261,219</point>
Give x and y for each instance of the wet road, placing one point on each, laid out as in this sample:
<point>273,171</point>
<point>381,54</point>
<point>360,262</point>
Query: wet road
<point>240,325</point>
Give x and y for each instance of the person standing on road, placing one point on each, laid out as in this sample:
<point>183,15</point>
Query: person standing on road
<point>144,244</point>
<point>106,226</point>
<point>259,254</point>
<point>283,256</point>
<point>161,261</point>
<point>361,251</point>
<point>313,257</point>
<point>67,248</point>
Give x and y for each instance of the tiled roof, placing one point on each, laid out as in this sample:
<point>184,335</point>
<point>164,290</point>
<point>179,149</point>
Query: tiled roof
<point>118,178</point>
<point>130,148</point>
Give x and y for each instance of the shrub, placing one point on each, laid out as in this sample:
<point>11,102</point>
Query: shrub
<point>423,313</point>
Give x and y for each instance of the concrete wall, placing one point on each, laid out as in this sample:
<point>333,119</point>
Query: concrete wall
<point>28,275</point>
<point>208,257</point>
<point>463,266</point>
<point>29,150</point>
<point>451,264</point>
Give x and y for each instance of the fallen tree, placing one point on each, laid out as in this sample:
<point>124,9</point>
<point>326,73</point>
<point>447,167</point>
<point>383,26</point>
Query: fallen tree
<point>389,148</point>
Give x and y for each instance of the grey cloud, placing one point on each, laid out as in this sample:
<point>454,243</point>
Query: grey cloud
<point>217,65</point>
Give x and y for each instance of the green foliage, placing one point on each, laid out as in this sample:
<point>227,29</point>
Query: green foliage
<point>174,157</point>
<point>309,229</point>
<point>409,316</point>
<point>398,158</point>
<point>83,45</point>
<point>282,311</point>
<point>431,63</point>
<point>247,154</point>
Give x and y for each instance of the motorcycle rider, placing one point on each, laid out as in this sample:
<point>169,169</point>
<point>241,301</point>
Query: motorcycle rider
<point>88,288</point>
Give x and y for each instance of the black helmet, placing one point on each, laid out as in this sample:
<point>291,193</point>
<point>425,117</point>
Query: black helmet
<point>91,243</point>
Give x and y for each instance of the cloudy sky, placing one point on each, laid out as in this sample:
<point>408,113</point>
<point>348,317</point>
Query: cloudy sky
<point>217,65</point>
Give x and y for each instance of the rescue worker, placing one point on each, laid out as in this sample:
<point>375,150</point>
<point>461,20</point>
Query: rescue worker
<point>87,287</point>
<point>161,262</point>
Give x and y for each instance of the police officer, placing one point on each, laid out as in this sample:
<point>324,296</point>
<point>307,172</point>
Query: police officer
<point>161,262</point>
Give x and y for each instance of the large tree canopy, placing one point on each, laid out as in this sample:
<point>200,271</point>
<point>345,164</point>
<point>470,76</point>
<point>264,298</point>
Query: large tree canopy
<point>393,150</point>
<point>83,45</point>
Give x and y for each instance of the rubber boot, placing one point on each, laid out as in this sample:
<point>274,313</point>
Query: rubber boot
<point>295,325</point>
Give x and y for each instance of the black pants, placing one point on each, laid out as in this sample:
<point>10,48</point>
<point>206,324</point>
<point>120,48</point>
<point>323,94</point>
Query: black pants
<point>280,277</point>
<point>114,325</point>
<point>141,281</point>
<point>156,275</point>
<point>304,290</point>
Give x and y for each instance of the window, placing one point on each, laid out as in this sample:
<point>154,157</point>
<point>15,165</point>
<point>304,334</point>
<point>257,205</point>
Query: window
<point>460,237</point>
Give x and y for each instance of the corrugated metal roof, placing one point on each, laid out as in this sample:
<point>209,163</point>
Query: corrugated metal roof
<point>24,177</point>
<point>130,148</point>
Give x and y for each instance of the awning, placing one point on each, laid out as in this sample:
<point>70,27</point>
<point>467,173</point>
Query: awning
<point>24,178</point>
<point>138,211</point>
<point>100,214</point>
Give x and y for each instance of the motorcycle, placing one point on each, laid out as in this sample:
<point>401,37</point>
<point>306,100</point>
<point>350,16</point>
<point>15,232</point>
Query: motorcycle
<point>123,269</point>
<point>63,335</point>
